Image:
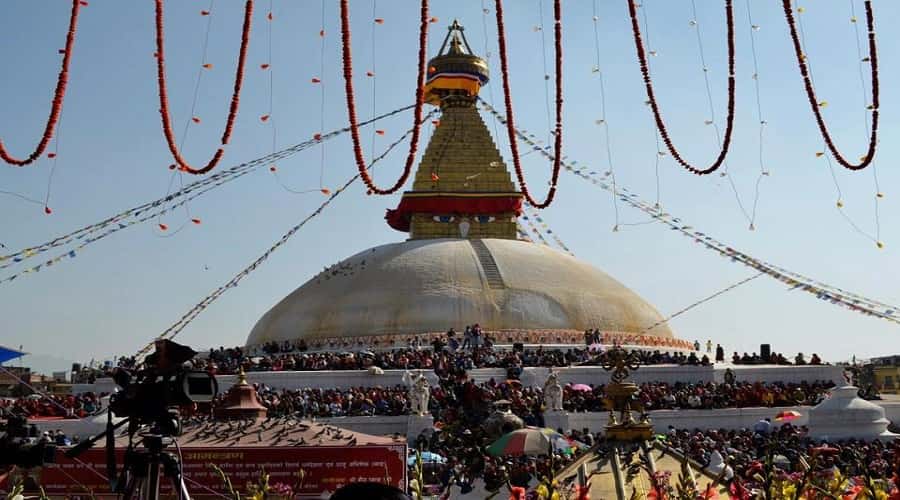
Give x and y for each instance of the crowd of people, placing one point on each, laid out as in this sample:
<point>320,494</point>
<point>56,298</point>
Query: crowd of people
<point>318,403</point>
<point>471,348</point>
<point>47,407</point>
<point>437,356</point>
<point>775,358</point>
<point>461,409</point>
<point>732,395</point>
<point>788,451</point>
<point>527,402</point>
<point>475,335</point>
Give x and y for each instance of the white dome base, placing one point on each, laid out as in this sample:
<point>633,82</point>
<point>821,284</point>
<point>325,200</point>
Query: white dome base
<point>422,286</point>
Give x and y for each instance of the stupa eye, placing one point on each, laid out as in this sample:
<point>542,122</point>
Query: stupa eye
<point>484,219</point>
<point>444,218</point>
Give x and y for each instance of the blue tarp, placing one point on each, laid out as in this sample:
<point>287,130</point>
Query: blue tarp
<point>7,354</point>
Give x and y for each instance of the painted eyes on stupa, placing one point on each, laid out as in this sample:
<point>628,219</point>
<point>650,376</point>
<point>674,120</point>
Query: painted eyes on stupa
<point>481,219</point>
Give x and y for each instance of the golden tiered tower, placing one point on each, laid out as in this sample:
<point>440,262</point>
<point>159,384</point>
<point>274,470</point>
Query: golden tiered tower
<point>462,188</point>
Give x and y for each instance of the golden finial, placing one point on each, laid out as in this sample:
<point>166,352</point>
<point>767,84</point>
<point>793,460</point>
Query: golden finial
<point>242,377</point>
<point>620,363</point>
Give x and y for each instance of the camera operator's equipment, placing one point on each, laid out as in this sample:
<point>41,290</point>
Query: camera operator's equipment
<point>16,448</point>
<point>147,395</point>
<point>144,468</point>
<point>148,403</point>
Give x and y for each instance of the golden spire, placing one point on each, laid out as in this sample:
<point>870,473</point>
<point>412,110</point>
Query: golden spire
<point>462,188</point>
<point>456,70</point>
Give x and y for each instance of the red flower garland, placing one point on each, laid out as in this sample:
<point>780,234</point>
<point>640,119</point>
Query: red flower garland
<point>811,93</point>
<point>651,97</point>
<point>164,97</point>
<point>58,96</point>
<point>351,100</point>
<point>510,124</point>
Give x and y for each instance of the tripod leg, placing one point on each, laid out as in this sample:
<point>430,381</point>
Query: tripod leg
<point>172,470</point>
<point>151,484</point>
<point>134,484</point>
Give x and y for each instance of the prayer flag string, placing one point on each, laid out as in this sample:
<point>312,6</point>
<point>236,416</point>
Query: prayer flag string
<point>795,281</point>
<point>122,220</point>
<point>195,311</point>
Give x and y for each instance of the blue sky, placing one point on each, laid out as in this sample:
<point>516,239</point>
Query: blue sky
<point>121,292</point>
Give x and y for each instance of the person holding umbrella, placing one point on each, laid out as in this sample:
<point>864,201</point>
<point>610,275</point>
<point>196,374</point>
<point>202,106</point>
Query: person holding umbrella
<point>534,441</point>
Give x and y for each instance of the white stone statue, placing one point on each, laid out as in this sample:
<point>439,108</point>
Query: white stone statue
<point>553,393</point>
<point>419,394</point>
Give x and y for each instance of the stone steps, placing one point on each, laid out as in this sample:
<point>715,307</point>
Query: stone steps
<point>488,265</point>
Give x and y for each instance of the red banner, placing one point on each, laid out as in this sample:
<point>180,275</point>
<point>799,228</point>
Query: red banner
<point>325,469</point>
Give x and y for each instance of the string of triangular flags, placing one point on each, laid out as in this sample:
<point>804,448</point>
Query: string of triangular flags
<point>542,229</point>
<point>523,234</point>
<point>795,281</point>
<point>533,228</point>
<point>198,308</point>
<point>92,233</point>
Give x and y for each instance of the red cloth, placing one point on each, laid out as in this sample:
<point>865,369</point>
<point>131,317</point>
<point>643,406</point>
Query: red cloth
<point>450,205</point>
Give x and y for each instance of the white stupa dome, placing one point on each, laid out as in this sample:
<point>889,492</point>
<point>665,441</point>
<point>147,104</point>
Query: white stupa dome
<point>430,285</point>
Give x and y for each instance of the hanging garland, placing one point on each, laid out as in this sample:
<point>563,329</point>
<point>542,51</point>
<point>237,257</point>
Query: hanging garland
<point>59,95</point>
<point>94,232</point>
<point>183,165</point>
<point>351,100</point>
<point>510,122</point>
<point>654,106</point>
<point>195,311</point>
<point>811,93</point>
<point>794,280</point>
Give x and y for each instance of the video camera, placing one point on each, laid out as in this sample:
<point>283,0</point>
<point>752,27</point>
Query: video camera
<point>163,383</point>
<point>17,448</point>
<point>148,403</point>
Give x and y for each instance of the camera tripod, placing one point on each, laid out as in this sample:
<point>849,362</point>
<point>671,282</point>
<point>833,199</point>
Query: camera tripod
<point>142,469</point>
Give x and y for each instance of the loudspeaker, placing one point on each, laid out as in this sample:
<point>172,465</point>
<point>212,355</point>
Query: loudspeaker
<point>765,351</point>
